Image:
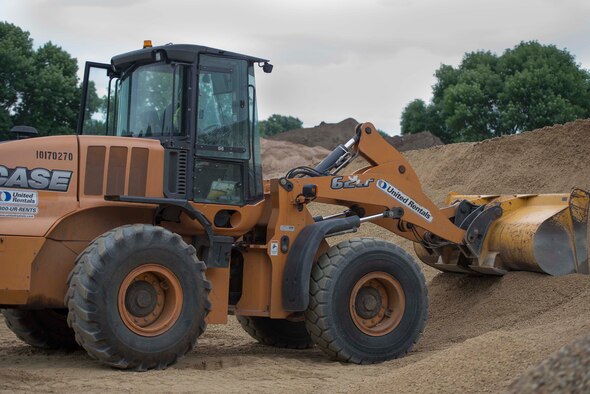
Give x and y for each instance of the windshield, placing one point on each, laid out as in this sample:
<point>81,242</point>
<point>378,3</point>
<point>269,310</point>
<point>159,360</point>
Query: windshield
<point>149,102</point>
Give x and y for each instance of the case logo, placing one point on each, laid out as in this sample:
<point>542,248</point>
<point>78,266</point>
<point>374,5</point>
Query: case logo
<point>38,179</point>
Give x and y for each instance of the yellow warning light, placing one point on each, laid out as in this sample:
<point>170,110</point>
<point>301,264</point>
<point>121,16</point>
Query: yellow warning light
<point>147,43</point>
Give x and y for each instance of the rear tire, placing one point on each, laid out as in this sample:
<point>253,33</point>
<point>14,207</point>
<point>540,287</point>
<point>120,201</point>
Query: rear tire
<point>138,298</point>
<point>368,302</point>
<point>43,328</point>
<point>277,332</point>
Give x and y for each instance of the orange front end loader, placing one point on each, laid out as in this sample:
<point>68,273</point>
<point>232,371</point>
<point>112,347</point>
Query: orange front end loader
<point>154,221</point>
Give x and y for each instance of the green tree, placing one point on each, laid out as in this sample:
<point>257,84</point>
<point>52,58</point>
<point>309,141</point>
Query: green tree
<point>38,88</point>
<point>543,86</point>
<point>528,86</point>
<point>469,107</point>
<point>16,65</point>
<point>95,105</point>
<point>276,124</point>
<point>52,98</point>
<point>415,118</point>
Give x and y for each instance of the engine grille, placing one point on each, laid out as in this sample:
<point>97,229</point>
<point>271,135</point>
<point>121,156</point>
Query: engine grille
<point>125,174</point>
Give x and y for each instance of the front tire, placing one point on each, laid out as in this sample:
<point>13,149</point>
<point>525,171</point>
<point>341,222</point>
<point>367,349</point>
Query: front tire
<point>138,298</point>
<point>42,328</point>
<point>368,302</point>
<point>277,332</point>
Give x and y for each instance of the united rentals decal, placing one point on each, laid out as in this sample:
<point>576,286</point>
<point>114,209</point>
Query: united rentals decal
<point>20,204</point>
<point>397,194</point>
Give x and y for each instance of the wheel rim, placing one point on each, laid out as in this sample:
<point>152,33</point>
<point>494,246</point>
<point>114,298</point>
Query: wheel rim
<point>150,300</point>
<point>377,304</point>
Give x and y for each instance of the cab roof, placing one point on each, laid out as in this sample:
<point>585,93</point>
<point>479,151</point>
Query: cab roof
<point>186,53</point>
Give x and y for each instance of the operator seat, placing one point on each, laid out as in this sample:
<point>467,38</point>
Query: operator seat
<point>149,124</point>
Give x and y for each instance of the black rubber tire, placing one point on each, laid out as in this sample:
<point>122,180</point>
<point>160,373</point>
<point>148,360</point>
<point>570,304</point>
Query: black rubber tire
<point>277,332</point>
<point>328,318</point>
<point>93,290</point>
<point>41,328</point>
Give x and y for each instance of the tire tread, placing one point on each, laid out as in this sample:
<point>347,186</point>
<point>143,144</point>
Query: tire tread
<point>82,298</point>
<point>317,314</point>
<point>30,327</point>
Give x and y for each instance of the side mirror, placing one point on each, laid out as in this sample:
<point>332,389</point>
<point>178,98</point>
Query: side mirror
<point>267,67</point>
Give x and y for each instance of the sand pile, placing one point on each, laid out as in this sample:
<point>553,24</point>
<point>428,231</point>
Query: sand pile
<point>278,157</point>
<point>421,140</point>
<point>565,371</point>
<point>482,333</point>
<point>548,160</point>
<point>330,135</point>
<point>326,135</point>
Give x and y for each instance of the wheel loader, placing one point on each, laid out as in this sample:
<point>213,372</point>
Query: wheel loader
<point>128,238</point>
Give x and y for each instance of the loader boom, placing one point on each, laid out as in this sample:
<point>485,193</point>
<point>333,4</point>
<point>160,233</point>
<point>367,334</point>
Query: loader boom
<point>471,234</point>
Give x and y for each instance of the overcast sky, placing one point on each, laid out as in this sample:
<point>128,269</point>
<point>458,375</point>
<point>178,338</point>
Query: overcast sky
<point>333,59</point>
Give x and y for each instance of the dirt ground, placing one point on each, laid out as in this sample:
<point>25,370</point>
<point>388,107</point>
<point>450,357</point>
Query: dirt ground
<point>482,333</point>
<point>565,371</point>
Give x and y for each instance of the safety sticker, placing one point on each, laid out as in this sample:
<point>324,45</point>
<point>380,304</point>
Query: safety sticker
<point>20,204</point>
<point>274,248</point>
<point>397,194</point>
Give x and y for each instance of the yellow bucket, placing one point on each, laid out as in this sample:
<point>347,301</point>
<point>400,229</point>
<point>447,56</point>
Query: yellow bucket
<point>534,232</point>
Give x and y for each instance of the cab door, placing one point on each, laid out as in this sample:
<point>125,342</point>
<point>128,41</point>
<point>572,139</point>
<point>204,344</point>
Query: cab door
<point>96,97</point>
<point>224,145</point>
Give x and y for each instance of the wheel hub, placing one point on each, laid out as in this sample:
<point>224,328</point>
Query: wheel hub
<point>368,302</point>
<point>150,300</point>
<point>377,303</point>
<point>141,298</point>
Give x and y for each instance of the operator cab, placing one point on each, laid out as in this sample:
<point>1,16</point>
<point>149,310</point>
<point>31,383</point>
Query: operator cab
<point>199,102</point>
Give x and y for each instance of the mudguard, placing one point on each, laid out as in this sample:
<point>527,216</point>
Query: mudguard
<point>300,261</point>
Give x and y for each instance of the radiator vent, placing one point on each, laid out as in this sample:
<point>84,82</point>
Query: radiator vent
<point>113,171</point>
<point>182,172</point>
<point>176,173</point>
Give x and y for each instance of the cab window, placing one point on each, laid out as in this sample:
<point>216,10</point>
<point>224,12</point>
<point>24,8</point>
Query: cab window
<point>145,101</point>
<point>222,112</point>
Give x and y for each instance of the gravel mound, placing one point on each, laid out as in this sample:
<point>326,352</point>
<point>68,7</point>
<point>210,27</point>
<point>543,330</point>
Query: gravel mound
<point>330,135</point>
<point>326,135</point>
<point>548,160</point>
<point>422,140</point>
<point>565,371</point>
<point>278,157</point>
